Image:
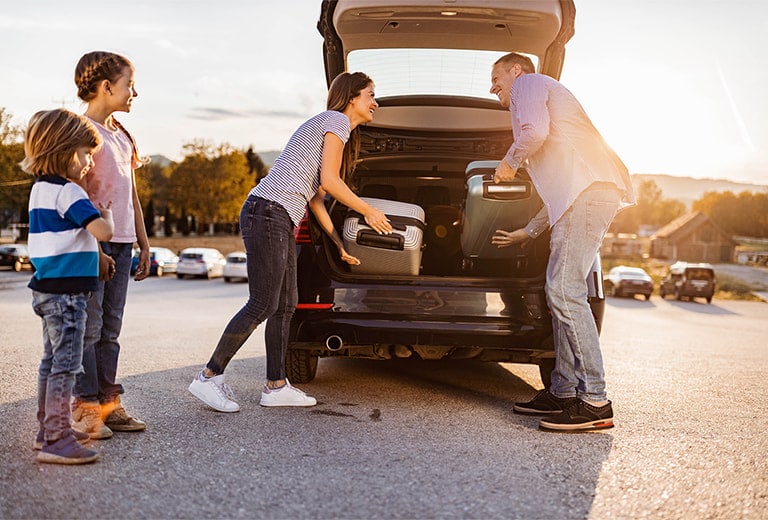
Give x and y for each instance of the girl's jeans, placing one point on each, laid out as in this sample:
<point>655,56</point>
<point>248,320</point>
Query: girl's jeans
<point>272,294</point>
<point>575,241</point>
<point>105,319</point>
<point>63,317</point>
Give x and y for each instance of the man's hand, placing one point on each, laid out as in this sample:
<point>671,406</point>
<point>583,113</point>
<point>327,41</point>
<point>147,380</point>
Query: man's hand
<point>507,238</point>
<point>504,172</point>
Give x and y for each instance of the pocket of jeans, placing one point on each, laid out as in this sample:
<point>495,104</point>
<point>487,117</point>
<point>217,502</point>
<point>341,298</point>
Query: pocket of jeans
<point>47,307</point>
<point>247,216</point>
<point>599,217</point>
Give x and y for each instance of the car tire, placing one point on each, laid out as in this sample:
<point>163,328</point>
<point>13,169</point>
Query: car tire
<point>647,297</point>
<point>227,279</point>
<point>300,365</point>
<point>179,276</point>
<point>546,366</point>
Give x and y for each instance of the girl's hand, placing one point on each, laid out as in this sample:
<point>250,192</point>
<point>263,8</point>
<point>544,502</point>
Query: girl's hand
<point>346,257</point>
<point>142,270</point>
<point>507,238</point>
<point>378,221</point>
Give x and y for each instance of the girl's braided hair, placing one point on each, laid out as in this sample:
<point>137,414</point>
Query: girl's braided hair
<point>95,67</point>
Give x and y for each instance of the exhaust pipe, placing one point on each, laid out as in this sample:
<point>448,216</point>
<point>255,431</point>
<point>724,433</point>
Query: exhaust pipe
<point>334,343</point>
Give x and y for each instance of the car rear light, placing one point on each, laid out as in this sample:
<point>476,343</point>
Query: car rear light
<point>315,306</point>
<point>302,234</point>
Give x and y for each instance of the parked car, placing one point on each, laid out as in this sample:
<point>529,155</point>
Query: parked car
<point>689,280</point>
<point>15,256</point>
<point>162,261</point>
<point>236,267</point>
<point>628,281</point>
<point>436,120</point>
<point>200,262</point>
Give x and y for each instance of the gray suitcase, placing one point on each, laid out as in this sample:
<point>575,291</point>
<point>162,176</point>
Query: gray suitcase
<point>489,206</point>
<point>398,253</point>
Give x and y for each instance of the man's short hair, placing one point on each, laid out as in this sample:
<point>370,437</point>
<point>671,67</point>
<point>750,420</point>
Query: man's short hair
<point>510,59</point>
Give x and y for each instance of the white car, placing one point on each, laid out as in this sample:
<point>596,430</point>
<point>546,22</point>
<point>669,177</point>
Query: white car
<point>200,262</point>
<point>236,267</point>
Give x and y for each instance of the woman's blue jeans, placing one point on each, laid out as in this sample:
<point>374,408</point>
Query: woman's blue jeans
<point>575,241</point>
<point>105,320</point>
<point>63,317</point>
<point>272,294</point>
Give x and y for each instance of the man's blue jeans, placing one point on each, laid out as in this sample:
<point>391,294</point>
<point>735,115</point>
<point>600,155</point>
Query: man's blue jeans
<point>575,241</point>
<point>272,293</point>
<point>63,317</point>
<point>105,320</point>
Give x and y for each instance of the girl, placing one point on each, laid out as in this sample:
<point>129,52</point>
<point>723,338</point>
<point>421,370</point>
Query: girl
<point>316,160</point>
<point>105,82</point>
<point>58,151</point>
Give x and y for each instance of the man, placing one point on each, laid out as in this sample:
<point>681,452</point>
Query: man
<point>583,183</point>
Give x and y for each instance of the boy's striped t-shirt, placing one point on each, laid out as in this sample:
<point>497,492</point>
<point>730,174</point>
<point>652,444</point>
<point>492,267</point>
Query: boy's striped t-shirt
<point>64,253</point>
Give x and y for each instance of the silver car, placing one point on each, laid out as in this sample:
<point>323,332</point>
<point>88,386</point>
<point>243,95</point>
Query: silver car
<point>200,262</point>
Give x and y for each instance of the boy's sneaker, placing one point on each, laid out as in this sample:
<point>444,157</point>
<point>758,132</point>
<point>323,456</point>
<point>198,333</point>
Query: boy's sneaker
<point>544,403</point>
<point>87,417</point>
<point>579,417</point>
<point>117,419</point>
<point>40,439</point>
<point>66,451</point>
<point>214,392</point>
<point>286,395</point>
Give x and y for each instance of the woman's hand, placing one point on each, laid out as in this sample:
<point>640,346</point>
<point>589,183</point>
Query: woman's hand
<point>507,238</point>
<point>346,257</point>
<point>378,221</point>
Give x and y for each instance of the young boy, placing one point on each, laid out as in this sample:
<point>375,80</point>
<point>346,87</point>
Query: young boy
<point>63,229</point>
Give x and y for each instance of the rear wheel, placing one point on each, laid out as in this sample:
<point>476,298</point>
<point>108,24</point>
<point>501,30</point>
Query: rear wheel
<point>300,365</point>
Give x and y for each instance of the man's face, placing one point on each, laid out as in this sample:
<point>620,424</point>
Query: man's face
<point>502,80</point>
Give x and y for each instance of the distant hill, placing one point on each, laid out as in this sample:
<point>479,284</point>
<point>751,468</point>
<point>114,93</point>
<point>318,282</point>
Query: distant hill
<point>688,189</point>
<point>160,160</point>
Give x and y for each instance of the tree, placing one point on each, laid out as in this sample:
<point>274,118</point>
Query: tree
<point>651,209</point>
<point>210,183</point>
<point>745,214</point>
<point>14,183</point>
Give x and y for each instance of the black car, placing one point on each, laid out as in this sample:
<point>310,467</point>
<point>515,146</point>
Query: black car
<point>689,280</point>
<point>430,129</point>
<point>15,256</point>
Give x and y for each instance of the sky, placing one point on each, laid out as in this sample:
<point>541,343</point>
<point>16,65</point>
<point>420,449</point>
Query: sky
<point>675,86</point>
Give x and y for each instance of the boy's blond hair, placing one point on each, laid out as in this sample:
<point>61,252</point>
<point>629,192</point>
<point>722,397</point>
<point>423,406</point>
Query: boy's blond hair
<point>52,139</point>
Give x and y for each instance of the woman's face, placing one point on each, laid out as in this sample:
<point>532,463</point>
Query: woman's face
<point>364,104</point>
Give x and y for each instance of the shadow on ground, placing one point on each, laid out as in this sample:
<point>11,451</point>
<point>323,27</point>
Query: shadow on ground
<point>401,439</point>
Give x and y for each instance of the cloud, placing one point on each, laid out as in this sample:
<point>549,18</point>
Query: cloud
<point>223,114</point>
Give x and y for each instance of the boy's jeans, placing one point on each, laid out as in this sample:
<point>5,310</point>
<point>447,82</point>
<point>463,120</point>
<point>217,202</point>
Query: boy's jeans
<point>63,317</point>
<point>575,241</point>
<point>105,320</point>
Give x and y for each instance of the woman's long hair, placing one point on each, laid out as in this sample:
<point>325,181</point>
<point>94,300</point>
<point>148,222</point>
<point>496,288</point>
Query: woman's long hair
<point>345,87</point>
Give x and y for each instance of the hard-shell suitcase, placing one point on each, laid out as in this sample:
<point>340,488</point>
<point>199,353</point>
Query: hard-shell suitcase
<point>489,206</point>
<point>398,253</point>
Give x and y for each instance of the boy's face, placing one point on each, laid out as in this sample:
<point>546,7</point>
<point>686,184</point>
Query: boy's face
<point>81,163</point>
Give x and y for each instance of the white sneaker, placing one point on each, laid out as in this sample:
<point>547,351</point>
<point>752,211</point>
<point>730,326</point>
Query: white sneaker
<point>214,392</point>
<point>286,396</point>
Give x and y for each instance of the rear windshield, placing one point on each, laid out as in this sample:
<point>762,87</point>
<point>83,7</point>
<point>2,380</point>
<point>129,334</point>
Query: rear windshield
<point>192,256</point>
<point>403,72</point>
<point>699,274</point>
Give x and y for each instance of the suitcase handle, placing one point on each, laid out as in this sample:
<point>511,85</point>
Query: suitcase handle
<point>370,238</point>
<point>514,190</point>
<point>398,222</point>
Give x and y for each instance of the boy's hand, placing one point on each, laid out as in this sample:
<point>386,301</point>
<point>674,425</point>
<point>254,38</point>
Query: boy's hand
<point>106,267</point>
<point>346,257</point>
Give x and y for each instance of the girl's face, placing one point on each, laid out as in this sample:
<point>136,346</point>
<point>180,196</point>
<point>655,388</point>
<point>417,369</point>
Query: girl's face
<point>121,92</point>
<point>364,104</point>
<point>81,163</point>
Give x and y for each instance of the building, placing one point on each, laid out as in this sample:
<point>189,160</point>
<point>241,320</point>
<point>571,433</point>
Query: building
<point>693,237</point>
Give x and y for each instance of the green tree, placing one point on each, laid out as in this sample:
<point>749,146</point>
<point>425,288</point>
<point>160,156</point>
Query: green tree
<point>209,183</point>
<point>14,183</point>
<point>651,209</point>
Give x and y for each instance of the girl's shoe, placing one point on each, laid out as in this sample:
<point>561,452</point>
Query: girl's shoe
<point>40,439</point>
<point>286,396</point>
